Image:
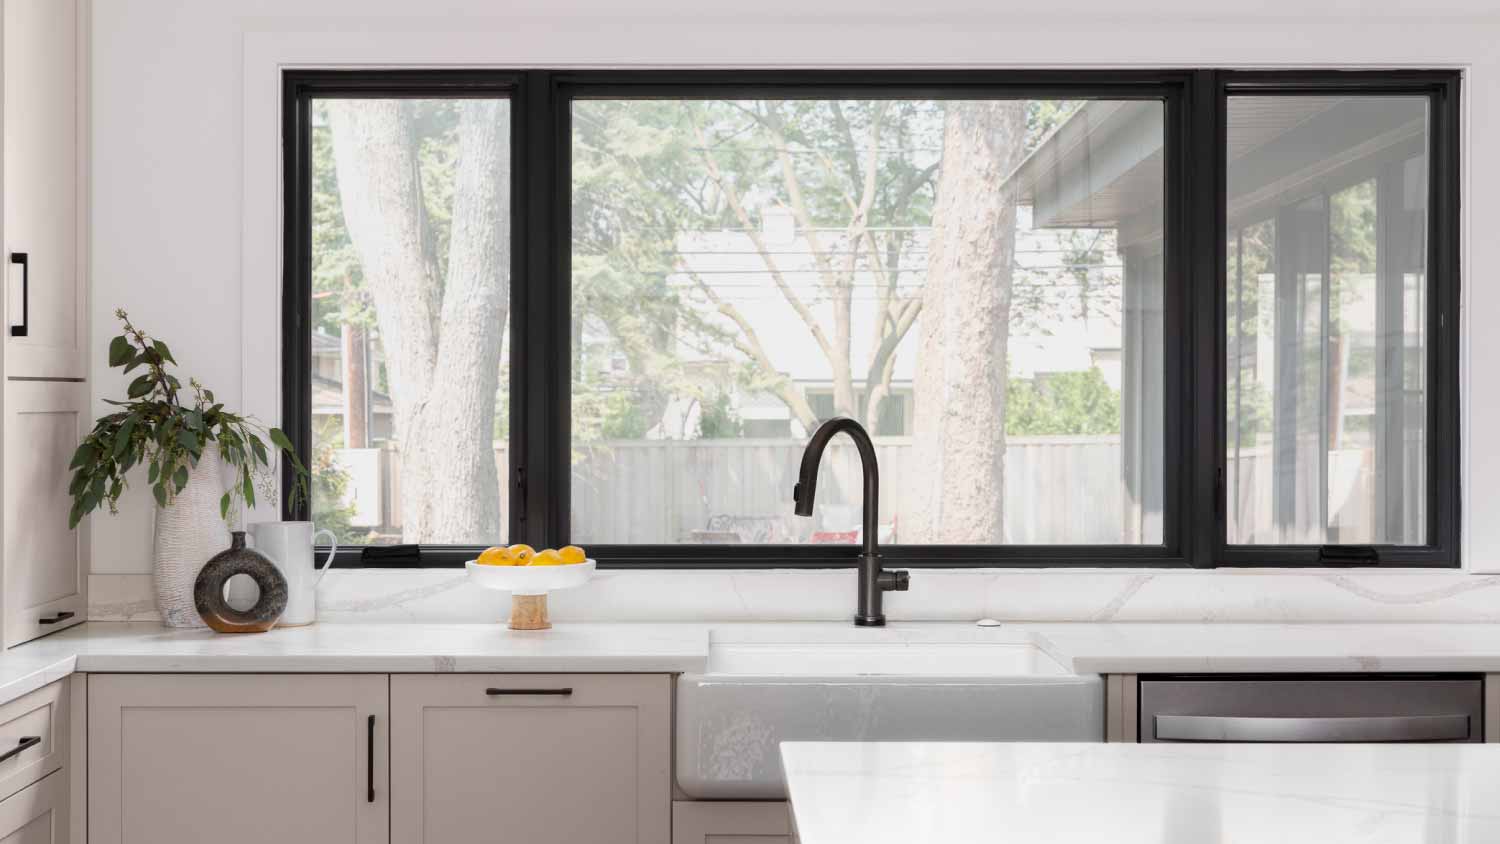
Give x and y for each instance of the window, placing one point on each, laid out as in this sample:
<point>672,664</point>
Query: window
<point>795,260</point>
<point>1008,277</point>
<point>410,239</point>
<point>1334,372</point>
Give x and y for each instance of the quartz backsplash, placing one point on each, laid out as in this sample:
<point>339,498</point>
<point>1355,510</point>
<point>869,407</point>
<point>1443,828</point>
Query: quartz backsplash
<point>1274,595</point>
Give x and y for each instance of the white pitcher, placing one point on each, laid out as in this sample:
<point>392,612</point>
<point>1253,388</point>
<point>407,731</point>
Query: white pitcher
<point>290,546</point>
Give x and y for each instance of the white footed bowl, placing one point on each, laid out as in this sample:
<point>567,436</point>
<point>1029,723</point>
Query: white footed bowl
<point>530,580</point>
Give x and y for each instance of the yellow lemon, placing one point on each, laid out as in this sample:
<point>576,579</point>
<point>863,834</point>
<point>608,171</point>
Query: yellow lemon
<point>495,556</point>
<point>547,558</point>
<point>572,555</point>
<point>521,554</point>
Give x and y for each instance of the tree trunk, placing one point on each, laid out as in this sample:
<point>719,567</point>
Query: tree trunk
<point>356,388</point>
<point>958,457</point>
<point>443,340</point>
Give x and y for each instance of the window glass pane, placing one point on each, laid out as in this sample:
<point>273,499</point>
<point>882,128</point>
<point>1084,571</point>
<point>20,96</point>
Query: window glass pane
<point>1326,308</point>
<point>978,282</point>
<point>411,292</point>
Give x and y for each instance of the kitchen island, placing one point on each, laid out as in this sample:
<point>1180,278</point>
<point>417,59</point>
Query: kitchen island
<point>956,793</point>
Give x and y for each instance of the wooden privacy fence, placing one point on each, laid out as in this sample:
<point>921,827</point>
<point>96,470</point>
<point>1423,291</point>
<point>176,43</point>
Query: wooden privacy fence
<point>1062,489</point>
<point>1057,489</point>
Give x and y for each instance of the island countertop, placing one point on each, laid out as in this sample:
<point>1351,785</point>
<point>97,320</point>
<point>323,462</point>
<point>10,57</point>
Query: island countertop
<point>956,793</point>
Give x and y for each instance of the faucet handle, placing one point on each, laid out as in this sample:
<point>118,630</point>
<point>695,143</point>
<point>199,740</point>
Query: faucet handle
<point>895,581</point>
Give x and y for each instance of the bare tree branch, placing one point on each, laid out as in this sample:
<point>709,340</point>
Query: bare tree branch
<point>749,344</point>
<point>732,197</point>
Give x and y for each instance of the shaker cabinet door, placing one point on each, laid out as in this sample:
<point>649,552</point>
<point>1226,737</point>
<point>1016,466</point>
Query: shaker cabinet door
<point>45,573</point>
<point>531,758</point>
<point>238,759</point>
<point>44,259</point>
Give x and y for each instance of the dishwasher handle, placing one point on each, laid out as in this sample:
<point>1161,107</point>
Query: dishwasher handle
<point>1380,728</point>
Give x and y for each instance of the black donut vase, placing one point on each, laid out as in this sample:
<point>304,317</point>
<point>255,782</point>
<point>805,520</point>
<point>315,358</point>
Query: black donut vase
<point>208,590</point>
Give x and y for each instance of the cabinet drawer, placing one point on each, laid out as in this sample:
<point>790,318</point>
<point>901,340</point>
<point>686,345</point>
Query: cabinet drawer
<point>731,822</point>
<point>37,726</point>
<point>37,814</point>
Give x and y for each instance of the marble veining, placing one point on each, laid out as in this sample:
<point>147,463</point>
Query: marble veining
<point>957,793</point>
<point>1260,595</point>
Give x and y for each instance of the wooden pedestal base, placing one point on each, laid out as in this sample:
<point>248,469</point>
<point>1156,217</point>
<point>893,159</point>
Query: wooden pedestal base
<point>529,612</point>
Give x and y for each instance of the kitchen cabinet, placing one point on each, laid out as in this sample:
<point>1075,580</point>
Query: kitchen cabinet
<point>44,353</point>
<point>37,814</point>
<point>731,822</point>
<point>543,758</point>
<point>45,571</point>
<point>45,117</point>
<point>239,759</point>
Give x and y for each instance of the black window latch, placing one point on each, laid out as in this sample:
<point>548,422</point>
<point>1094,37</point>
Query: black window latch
<point>390,557</point>
<point>1348,555</point>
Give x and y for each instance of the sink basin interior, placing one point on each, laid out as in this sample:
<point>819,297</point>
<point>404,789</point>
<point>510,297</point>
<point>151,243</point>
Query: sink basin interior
<point>897,659</point>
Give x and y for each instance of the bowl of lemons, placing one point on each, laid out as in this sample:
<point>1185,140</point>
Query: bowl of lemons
<point>529,575</point>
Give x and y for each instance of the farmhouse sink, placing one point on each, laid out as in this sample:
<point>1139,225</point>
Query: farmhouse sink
<point>902,683</point>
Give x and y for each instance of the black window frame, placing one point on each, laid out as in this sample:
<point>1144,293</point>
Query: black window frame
<point>1443,501</point>
<point>1194,525</point>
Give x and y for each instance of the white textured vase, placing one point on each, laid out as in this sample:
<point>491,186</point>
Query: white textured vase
<point>189,530</point>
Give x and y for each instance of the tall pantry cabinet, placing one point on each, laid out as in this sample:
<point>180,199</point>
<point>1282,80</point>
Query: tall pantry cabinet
<point>43,228</point>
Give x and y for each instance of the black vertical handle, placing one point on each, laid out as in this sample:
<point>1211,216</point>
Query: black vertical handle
<point>20,258</point>
<point>370,760</point>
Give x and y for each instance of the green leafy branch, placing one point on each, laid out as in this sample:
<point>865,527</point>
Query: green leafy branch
<point>153,428</point>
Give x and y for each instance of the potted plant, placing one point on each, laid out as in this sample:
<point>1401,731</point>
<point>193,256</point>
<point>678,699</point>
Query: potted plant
<point>183,446</point>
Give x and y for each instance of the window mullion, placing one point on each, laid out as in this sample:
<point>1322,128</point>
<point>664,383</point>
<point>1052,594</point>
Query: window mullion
<point>1204,409</point>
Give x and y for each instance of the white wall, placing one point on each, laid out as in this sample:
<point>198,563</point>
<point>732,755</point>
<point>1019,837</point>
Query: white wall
<point>179,85</point>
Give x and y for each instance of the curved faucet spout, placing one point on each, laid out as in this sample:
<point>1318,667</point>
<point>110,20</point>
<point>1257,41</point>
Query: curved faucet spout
<point>873,581</point>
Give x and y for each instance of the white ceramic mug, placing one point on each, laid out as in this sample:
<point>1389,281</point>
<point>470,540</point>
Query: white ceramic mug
<point>290,546</point>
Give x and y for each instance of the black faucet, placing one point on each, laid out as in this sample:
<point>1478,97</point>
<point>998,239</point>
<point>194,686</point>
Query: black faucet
<point>873,580</point>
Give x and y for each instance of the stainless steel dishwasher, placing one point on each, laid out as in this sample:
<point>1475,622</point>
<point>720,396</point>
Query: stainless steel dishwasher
<point>1312,708</point>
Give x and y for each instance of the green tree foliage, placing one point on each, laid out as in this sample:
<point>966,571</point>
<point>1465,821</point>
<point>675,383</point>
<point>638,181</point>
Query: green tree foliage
<point>717,419</point>
<point>330,487</point>
<point>858,177</point>
<point>1062,403</point>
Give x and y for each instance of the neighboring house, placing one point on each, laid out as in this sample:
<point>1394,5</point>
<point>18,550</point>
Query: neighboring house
<point>329,400</point>
<point>1337,363</point>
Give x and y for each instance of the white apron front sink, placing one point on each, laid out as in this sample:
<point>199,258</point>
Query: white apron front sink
<point>901,683</point>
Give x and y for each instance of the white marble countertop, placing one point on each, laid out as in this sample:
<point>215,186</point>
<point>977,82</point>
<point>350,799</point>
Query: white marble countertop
<point>925,793</point>
<point>376,648</point>
<point>1105,648</point>
<point>1136,648</point>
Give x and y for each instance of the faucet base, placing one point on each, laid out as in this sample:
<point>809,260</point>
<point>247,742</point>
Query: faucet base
<point>869,621</point>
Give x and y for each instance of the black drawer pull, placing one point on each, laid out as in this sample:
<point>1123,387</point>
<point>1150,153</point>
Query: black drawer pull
<point>26,744</point>
<point>370,760</point>
<point>62,616</point>
<point>22,259</point>
<point>563,692</point>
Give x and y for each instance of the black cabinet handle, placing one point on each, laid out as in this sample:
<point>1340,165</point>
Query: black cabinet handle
<point>62,616</point>
<point>563,692</point>
<point>370,760</point>
<point>25,744</point>
<point>20,258</point>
